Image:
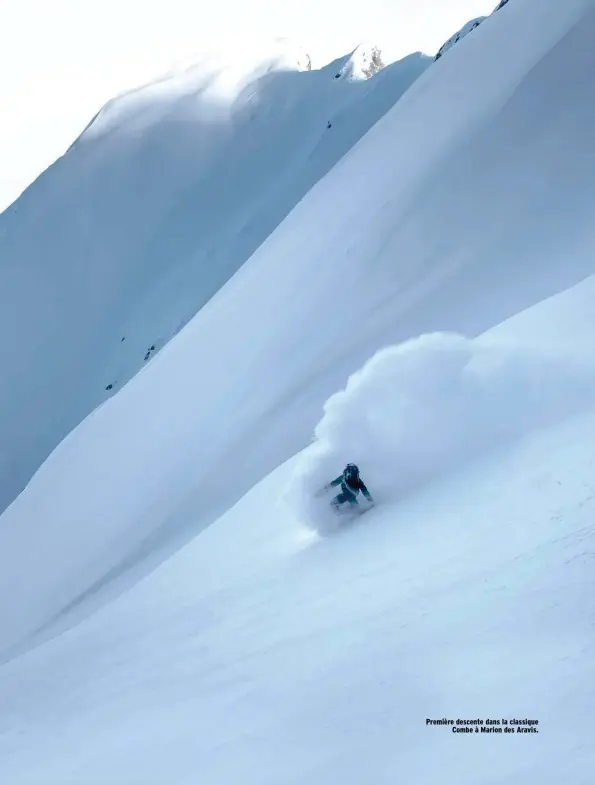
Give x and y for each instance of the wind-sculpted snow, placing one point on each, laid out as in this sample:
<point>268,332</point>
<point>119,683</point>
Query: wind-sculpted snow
<point>421,409</point>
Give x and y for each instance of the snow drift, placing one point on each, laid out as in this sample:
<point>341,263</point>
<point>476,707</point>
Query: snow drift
<point>420,409</point>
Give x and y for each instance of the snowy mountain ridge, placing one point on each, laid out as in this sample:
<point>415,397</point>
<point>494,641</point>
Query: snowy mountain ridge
<point>365,61</point>
<point>428,249</point>
<point>218,77</point>
<point>167,193</point>
<point>458,36</point>
<point>467,28</point>
<point>169,611</point>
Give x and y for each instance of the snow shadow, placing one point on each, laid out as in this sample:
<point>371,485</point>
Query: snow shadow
<point>427,406</point>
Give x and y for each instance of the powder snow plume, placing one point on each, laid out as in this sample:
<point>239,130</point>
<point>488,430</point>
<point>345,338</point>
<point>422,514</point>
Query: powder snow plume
<point>420,409</point>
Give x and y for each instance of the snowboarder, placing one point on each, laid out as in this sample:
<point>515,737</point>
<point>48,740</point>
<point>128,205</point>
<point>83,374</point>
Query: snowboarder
<point>351,484</point>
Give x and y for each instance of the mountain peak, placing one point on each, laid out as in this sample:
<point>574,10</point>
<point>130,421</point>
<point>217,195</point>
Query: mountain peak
<point>362,63</point>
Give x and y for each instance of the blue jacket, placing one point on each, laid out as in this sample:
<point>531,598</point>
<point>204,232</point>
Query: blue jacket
<point>352,489</point>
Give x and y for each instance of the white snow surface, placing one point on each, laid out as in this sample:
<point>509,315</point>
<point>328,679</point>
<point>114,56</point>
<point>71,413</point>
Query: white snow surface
<point>262,653</point>
<point>469,27</point>
<point>429,406</point>
<point>435,288</point>
<point>405,252</point>
<point>60,61</point>
<point>167,193</point>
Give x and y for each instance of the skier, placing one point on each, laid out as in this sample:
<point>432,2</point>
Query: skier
<point>351,484</point>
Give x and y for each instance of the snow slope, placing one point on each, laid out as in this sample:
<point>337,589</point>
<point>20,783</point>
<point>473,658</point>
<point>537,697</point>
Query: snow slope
<point>258,652</point>
<point>263,654</point>
<point>435,221</point>
<point>169,190</point>
<point>421,409</point>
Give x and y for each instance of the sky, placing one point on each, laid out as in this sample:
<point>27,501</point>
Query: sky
<point>61,61</point>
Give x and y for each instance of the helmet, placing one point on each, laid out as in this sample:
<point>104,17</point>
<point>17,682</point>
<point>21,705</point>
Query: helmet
<point>351,472</point>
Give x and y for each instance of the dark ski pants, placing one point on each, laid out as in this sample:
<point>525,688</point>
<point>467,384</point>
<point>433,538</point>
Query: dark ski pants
<point>344,497</point>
